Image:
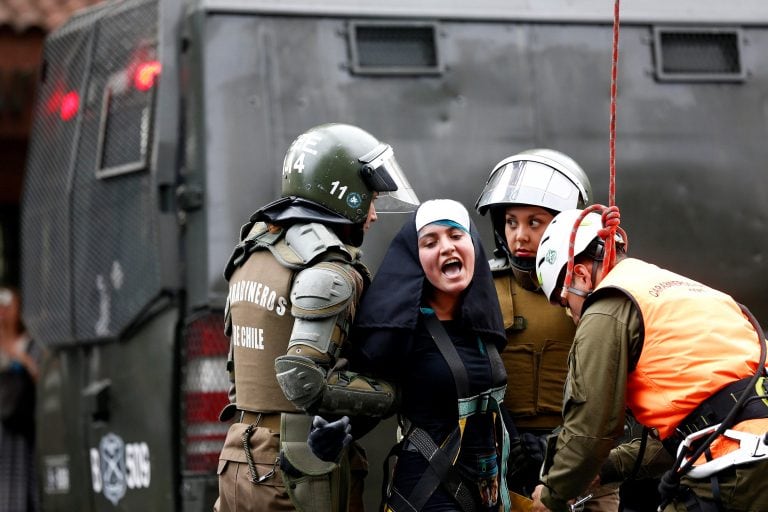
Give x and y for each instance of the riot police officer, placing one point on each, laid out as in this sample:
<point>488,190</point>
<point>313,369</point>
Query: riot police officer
<point>523,194</point>
<point>294,282</point>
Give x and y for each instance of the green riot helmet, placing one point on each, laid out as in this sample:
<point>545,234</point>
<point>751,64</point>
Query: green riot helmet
<point>339,167</point>
<point>539,177</point>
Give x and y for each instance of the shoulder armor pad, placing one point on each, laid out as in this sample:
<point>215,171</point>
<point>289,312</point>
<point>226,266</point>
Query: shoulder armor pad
<point>321,291</point>
<point>499,265</point>
<point>304,243</point>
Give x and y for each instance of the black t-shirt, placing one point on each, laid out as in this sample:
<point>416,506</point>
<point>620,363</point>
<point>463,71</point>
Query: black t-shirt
<point>426,381</point>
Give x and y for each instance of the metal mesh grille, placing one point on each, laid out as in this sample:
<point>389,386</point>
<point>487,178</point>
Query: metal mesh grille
<point>92,243</point>
<point>115,258</point>
<point>46,271</point>
<point>706,54</point>
<point>394,48</point>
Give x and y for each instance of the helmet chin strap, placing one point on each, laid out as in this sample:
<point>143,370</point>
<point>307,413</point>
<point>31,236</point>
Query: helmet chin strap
<point>524,270</point>
<point>582,293</point>
<point>526,279</point>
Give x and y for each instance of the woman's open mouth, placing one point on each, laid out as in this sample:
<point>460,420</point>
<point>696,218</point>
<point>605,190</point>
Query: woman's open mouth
<point>452,267</point>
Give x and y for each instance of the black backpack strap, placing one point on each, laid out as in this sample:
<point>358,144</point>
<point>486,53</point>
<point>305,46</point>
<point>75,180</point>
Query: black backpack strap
<point>498,373</point>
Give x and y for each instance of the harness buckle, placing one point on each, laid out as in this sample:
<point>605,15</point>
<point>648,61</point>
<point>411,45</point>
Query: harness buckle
<point>484,400</point>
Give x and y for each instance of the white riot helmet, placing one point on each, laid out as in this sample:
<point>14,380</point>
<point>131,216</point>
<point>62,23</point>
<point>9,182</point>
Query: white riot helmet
<point>552,255</point>
<point>539,177</point>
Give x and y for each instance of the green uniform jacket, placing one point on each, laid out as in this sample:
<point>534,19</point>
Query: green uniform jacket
<point>608,343</point>
<point>595,389</point>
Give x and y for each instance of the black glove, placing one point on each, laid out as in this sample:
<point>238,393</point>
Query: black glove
<point>526,455</point>
<point>327,440</point>
<point>535,447</point>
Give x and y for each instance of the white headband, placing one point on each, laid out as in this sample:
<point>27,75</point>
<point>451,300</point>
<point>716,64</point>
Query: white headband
<point>442,209</point>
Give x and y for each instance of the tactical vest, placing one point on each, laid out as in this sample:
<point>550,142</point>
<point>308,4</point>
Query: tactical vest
<point>539,337</point>
<point>259,305</point>
<point>259,320</point>
<point>681,364</point>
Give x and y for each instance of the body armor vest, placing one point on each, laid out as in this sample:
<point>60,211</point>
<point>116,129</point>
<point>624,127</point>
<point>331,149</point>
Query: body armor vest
<point>260,309</point>
<point>539,337</point>
<point>259,316</point>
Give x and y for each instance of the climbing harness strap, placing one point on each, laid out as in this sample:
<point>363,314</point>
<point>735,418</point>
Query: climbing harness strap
<point>442,459</point>
<point>488,401</point>
<point>688,454</point>
<point>440,471</point>
<point>715,408</point>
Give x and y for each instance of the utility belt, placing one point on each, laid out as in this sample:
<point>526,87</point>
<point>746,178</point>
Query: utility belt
<point>311,483</point>
<point>715,409</point>
<point>270,420</point>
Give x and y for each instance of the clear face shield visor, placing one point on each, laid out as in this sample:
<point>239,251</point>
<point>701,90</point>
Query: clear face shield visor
<point>534,183</point>
<point>383,174</point>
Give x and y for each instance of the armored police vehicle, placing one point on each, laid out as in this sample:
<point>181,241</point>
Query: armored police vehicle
<point>161,125</point>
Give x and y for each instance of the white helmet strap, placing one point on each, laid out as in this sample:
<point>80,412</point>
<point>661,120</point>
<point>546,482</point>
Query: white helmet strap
<point>595,262</point>
<point>580,293</point>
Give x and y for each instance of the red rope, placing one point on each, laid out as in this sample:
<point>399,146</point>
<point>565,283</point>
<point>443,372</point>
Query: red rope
<point>610,214</point>
<point>612,128</point>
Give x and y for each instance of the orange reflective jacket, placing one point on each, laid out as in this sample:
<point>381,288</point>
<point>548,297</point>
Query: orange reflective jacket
<point>696,341</point>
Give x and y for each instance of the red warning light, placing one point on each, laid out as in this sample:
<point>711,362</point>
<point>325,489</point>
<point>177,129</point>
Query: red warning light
<point>53,105</point>
<point>145,75</point>
<point>70,104</point>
